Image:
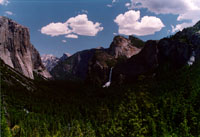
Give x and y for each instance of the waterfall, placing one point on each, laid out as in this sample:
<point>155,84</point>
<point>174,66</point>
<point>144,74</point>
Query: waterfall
<point>109,81</point>
<point>192,59</point>
<point>110,75</point>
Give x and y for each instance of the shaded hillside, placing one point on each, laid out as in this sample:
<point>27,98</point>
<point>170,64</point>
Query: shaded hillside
<point>79,65</point>
<point>175,52</point>
<point>167,105</point>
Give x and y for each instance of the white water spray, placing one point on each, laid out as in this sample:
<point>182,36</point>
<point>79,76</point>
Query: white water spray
<point>192,59</point>
<point>25,110</point>
<point>109,81</point>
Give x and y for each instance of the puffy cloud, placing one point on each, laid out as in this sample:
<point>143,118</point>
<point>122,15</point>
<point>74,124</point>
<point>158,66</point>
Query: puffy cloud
<point>55,29</point>
<point>79,25</point>
<point>129,23</point>
<point>185,9</point>
<point>160,6</point>
<point>82,26</point>
<point>4,2</point>
<point>193,15</point>
<point>8,13</point>
<point>180,27</point>
<point>73,36</point>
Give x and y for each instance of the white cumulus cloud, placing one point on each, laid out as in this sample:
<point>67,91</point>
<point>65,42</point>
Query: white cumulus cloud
<point>129,23</point>
<point>185,9</point>
<point>4,2</point>
<point>82,26</point>
<point>79,25</point>
<point>73,36</point>
<point>55,29</point>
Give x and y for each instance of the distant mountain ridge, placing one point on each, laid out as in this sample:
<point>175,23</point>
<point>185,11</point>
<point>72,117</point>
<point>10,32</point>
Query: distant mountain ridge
<point>17,51</point>
<point>79,65</point>
<point>129,57</point>
<point>50,61</point>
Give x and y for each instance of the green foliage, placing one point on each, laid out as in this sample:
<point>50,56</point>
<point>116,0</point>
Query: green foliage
<point>166,105</point>
<point>5,130</point>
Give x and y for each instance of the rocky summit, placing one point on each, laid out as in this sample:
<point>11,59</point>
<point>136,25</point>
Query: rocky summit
<point>122,47</point>
<point>17,51</point>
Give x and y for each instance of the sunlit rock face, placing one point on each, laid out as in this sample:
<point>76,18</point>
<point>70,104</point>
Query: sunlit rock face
<point>122,47</point>
<point>17,51</point>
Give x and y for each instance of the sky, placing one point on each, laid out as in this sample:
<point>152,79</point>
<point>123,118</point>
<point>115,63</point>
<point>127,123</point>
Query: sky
<point>60,26</point>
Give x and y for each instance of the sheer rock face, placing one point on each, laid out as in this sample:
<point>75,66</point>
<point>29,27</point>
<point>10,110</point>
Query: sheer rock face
<point>17,51</point>
<point>122,47</point>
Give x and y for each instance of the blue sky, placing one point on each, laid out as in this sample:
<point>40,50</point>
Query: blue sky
<point>96,22</point>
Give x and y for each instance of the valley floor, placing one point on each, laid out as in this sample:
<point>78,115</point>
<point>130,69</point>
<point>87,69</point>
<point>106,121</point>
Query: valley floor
<point>168,105</point>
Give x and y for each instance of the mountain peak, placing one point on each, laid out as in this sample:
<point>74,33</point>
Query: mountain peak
<point>122,46</point>
<point>120,41</point>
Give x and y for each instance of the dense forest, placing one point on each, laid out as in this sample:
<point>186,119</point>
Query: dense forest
<point>167,104</point>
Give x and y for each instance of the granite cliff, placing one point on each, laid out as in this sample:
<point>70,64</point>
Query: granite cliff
<point>17,51</point>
